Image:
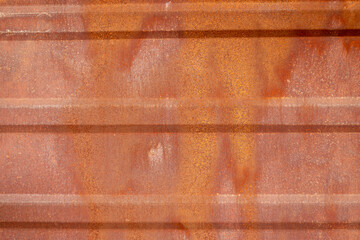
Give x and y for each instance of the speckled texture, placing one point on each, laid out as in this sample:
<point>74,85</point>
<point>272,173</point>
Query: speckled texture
<point>179,120</point>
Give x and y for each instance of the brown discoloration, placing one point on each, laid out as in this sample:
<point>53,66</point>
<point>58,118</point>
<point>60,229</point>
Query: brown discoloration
<point>232,76</point>
<point>202,67</point>
<point>126,72</point>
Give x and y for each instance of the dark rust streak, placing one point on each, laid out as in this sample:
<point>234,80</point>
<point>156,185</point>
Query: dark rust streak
<point>107,35</point>
<point>201,128</point>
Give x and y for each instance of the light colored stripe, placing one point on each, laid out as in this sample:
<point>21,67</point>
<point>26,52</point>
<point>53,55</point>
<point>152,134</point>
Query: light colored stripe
<point>143,200</point>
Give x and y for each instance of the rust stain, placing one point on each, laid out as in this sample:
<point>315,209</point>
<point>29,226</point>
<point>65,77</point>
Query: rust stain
<point>131,61</point>
<point>215,67</point>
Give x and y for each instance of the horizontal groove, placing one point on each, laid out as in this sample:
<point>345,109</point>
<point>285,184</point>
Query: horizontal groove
<point>57,2</point>
<point>110,2</point>
<point>62,36</point>
<point>172,115</point>
<point>189,128</point>
<point>158,20</point>
<point>294,102</point>
<point>274,211</point>
<point>182,225</point>
<point>174,199</point>
<point>161,6</point>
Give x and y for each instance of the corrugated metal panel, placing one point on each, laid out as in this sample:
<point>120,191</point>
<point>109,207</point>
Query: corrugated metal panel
<point>179,120</point>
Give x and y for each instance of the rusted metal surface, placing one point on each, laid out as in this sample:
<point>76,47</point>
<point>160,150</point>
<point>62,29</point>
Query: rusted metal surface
<point>179,120</point>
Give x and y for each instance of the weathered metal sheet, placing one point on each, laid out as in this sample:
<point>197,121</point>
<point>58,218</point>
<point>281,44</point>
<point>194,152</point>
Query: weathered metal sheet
<point>179,120</point>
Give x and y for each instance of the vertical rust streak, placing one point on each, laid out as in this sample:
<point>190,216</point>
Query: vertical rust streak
<point>239,76</point>
<point>85,145</point>
<point>198,152</point>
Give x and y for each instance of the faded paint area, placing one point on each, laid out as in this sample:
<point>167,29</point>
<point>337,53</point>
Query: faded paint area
<point>156,156</point>
<point>125,179</point>
<point>134,69</point>
<point>315,70</point>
